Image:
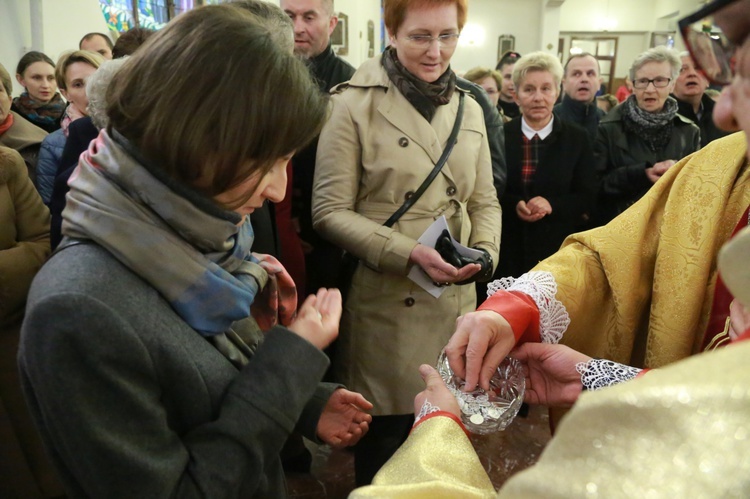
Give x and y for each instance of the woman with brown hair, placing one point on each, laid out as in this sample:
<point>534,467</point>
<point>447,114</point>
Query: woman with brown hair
<point>140,362</point>
<point>40,103</point>
<point>16,132</point>
<point>389,127</point>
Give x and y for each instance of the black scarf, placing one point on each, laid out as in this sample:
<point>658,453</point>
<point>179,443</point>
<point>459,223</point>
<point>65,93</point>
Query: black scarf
<point>424,96</point>
<point>654,128</point>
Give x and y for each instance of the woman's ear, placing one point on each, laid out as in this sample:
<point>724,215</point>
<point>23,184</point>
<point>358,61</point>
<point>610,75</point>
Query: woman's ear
<point>19,79</point>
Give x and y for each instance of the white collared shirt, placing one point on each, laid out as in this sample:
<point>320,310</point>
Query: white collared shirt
<point>530,132</point>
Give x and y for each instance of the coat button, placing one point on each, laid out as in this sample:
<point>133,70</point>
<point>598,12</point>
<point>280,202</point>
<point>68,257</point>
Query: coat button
<point>409,302</point>
<point>451,191</point>
<point>408,195</point>
<point>403,142</point>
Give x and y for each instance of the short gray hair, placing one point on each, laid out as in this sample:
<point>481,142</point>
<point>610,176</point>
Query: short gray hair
<point>96,90</point>
<point>537,61</point>
<point>657,54</point>
<point>273,18</point>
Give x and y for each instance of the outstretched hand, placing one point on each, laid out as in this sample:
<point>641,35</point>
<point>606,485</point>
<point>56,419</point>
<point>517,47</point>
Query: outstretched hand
<point>344,419</point>
<point>551,376</point>
<point>318,318</point>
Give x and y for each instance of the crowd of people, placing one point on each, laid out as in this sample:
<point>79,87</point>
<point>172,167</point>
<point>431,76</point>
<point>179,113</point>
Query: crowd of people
<point>170,262</point>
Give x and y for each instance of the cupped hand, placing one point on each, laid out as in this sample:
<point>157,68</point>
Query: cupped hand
<point>526,214</point>
<point>344,419</point>
<point>435,392</point>
<point>655,172</point>
<point>480,343</point>
<point>538,205</point>
<point>551,376</point>
<point>438,269</point>
<point>318,318</point>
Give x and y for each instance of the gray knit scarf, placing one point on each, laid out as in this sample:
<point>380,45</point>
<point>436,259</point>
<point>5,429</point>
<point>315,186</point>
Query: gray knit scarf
<point>654,128</point>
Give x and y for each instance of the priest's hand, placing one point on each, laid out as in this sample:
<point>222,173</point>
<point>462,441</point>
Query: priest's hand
<point>480,343</point>
<point>551,376</point>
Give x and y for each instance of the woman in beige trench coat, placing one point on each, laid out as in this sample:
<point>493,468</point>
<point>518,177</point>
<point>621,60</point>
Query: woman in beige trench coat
<point>387,129</point>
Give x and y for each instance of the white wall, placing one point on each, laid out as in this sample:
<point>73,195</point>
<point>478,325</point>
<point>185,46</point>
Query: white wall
<point>15,35</point>
<point>521,18</point>
<point>359,12</point>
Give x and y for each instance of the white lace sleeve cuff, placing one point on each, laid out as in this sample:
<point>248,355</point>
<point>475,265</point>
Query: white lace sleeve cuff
<point>598,373</point>
<point>542,288</point>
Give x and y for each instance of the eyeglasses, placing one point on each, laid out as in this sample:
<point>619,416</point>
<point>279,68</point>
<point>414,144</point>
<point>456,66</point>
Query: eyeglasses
<point>713,53</point>
<point>424,41</point>
<point>659,82</point>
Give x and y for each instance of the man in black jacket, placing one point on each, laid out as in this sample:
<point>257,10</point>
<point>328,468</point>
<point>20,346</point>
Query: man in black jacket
<point>314,21</point>
<point>693,103</point>
<point>580,83</point>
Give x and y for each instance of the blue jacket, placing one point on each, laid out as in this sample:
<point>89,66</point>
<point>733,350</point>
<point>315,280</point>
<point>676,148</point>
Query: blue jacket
<point>50,153</point>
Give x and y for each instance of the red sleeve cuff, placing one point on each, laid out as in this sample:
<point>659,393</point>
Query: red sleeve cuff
<point>519,310</point>
<point>443,414</point>
<point>643,371</point>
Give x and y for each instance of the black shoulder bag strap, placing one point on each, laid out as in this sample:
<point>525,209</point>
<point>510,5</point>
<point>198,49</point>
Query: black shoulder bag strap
<point>438,166</point>
<point>349,262</point>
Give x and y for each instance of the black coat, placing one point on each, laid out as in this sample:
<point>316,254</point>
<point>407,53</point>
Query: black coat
<point>709,130</point>
<point>622,159</point>
<point>565,177</point>
<point>584,115</point>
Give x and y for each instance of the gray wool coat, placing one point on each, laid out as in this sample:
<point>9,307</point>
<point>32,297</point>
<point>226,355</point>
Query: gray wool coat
<point>132,402</point>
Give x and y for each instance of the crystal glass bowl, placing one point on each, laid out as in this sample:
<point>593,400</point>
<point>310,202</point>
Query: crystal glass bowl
<point>482,411</point>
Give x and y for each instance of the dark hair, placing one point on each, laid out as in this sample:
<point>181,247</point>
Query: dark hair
<point>192,129</point>
<point>394,11</point>
<point>275,19</point>
<point>129,41</point>
<point>89,36</point>
<point>30,58</point>
<point>579,56</point>
<point>509,57</point>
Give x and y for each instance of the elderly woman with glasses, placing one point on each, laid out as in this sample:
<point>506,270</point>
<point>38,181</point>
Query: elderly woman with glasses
<point>642,138</point>
<point>388,128</point>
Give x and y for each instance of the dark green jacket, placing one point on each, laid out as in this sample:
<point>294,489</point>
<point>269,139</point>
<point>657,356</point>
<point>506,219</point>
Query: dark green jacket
<point>622,159</point>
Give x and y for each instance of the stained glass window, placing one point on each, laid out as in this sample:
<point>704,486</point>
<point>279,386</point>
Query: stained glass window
<point>122,15</point>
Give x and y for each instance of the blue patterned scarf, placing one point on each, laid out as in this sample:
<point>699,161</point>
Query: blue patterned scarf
<point>191,251</point>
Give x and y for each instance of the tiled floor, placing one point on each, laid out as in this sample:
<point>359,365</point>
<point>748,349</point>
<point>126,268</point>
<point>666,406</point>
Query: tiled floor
<point>502,454</point>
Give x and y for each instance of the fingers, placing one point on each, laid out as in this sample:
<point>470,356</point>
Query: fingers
<point>430,375</point>
<point>494,358</point>
<point>522,209</point>
<point>467,271</point>
<point>456,347</point>
<point>475,352</point>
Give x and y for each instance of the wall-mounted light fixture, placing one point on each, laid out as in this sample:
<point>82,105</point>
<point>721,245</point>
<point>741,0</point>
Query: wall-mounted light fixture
<point>473,35</point>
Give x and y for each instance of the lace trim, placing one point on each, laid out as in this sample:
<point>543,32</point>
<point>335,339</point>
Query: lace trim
<point>542,288</point>
<point>427,408</point>
<point>598,373</point>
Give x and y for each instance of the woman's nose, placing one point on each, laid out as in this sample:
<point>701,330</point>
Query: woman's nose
<point>276,189</point>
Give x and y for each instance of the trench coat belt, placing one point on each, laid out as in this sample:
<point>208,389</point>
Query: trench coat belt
<point>380,212</point>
